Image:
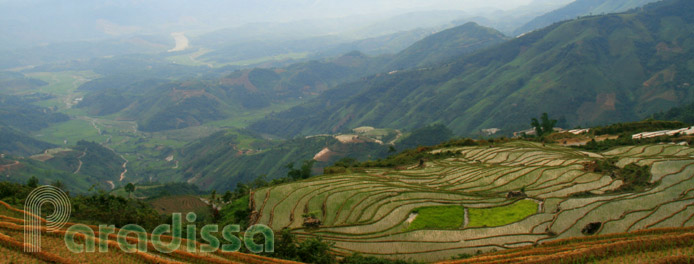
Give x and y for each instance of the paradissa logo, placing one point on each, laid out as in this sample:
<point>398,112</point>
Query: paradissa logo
<point>40,196</point>
<point>173,232</point>
<point>61,203</point>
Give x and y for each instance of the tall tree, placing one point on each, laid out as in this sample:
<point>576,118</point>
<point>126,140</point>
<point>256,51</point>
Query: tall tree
<point>130,188</point>
<point>294,174</point>
<point>58,184</point>
<point>33,182</point>
<point>543,127</point>
<point>306,169</point>
<point>227,196</point>
<point>213,195</point>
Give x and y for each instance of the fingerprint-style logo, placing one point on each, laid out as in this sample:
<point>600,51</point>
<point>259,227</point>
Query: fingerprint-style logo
<point>33,222</point>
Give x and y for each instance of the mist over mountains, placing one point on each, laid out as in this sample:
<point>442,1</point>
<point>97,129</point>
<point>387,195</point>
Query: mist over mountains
<point>383,131</point>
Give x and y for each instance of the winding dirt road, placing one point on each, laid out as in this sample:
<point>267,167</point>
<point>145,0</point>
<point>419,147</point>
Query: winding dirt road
<point>125,168</point>
<point>8,166</point>
<point>79,167</point>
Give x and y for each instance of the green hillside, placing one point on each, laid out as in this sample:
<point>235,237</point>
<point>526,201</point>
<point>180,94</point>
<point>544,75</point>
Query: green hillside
<point>446,46</point>
<point>230,157</point>
<point>162,96</point>
<point>590,71</point>
<point>684,113</point>
<point>13,82</point>
<point>15,142</point>
<point>20,113</point>
<point>387,44</point>
<point>580,8</point>
<point>166,96</point>
<point>78,168</point>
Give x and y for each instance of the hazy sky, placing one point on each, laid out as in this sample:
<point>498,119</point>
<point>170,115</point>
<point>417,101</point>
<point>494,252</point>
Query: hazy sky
<point>256,9</point>
<point>336,7</point>
<point>51,20</point>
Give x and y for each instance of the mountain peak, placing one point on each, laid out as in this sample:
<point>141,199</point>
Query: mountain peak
<point>447,45</point>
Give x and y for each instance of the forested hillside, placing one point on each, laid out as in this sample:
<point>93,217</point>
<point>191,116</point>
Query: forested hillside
<point>580,8</point>
<point>590,71</point>
<point>446,45</point>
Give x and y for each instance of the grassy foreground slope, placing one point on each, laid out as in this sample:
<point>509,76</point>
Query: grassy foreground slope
<point>53,249</point>
<point>370,212</point>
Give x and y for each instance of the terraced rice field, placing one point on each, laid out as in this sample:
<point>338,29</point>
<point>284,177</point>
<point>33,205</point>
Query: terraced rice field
<point>54,250</point>
<point>371,212</point>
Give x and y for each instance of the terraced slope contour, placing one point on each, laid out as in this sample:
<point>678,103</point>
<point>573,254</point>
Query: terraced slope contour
<point>372,212</point>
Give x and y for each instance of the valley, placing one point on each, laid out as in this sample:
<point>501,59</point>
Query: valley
<point>543,132</point>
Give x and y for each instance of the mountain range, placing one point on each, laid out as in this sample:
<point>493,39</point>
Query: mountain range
<point>580,8</point>
<point>589,71</point>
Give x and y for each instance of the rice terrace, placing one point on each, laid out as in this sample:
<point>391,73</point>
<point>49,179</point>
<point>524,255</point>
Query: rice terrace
<point>477,193</point>
<point>347,132</point>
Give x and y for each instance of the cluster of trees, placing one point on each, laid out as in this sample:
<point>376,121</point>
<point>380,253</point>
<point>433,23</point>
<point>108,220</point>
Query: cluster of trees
<point>15,193</point>
<point>103,208</point>
<point>636,178</point>
<point>300,173</point>
<point>683,113</point>
<point>95,208</point>
<point>544,126</point>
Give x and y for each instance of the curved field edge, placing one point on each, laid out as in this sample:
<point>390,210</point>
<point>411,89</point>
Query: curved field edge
<point>371,212</point>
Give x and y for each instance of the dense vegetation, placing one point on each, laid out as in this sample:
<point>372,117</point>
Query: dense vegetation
<point>636,178</point>
<point>15,142</point>
<point>223,154</point>
<point>446,45</point>
<point>102,208</point>
<point>684,114</point>
<point>85,165</point>
<point>20,113</point>
<point>580,8</point>
<point>98,162</point>
<point>94,208</point>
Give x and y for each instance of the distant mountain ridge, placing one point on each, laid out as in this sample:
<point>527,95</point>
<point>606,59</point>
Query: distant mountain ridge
<point>581,8</point>
<point>593,70</point>
<point>447,45</point>
<point>158,103</point>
